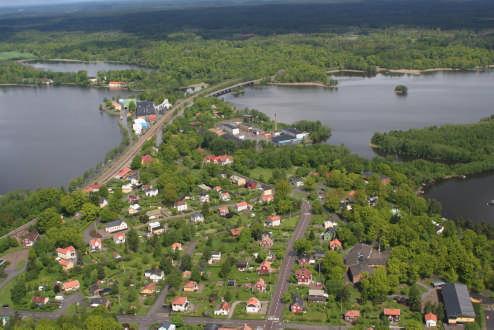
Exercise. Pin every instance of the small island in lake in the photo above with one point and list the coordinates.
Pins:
(401, 90)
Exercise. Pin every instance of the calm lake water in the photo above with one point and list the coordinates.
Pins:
(362, 106)
(51, 135)
(92, 68)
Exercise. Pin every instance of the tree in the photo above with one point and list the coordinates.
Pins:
(132, 240)
(414, 298)
(49, 218)
(302, 246)
(18, 292)
(89, 212)
(283, 189)
(101, 322)
(136, 163)
(375, 286)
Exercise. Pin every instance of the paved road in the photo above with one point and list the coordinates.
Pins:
(275, 310)
(69, 300)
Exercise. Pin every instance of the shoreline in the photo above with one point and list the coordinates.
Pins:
(414, 72)
(301, 84)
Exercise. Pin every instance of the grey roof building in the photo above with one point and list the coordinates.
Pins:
(145, 108)
(458, 304)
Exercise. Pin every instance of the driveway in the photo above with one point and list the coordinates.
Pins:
(17, 264)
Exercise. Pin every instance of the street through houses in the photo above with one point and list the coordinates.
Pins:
(275, 309)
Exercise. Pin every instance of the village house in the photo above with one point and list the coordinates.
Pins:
(223, 210)
(266, 241)
(117, 85)
(155, 228)
(225, 196)
(303, 276)
(197, 217)
(71, 286)
(243, 206)
(260, 285)
(190, 286)
(180, 304)
(166, 325)
(67, 257)
(145, 109)
(430, 320)
(238, 180)
(195, 88)
(392, 314)
(149, 289)
(317, 295)
(230, 128)
(251, 184)
(222, 160)
(176, 247)
(235, 232)
(147, 160)
(92, 188)
(95, 244)
(40, 301)
(119, 238)
(181, 206)
(223, 309)
(127, 188)
(114, 226)
(297, 305)
(154, 275)
(335, 244)
(134, 209)
(242, 265)
(95, 302)
(151, 192)
(363, 258)
(204, 198)
(297, 181)
(133, 199)
(265, 268)
(103, 202)
(267, 198)
(352, 316)
(28, 238)
(273, 221)
(215, 258)
(253, 305)
(457, 303)
(154, 214)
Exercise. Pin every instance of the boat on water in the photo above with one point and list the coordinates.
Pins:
(490, 203)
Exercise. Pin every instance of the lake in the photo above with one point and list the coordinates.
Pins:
(92, 68)
(362, 106)
(51, 135)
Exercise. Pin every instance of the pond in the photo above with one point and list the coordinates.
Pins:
(51, 135)
(92, 68)
(362, 106)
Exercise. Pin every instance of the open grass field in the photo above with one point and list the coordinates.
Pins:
(14, 55)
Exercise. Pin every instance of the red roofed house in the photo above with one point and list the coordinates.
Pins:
(181, 206)
(261, 285)
(40, 301)
(243, 206)
(93, 187)
(146, 160)
(180, 304)
(225, 196)
(265, 268)
(430, 320)
(219, 160)
(177, 246)
(30, 238)
(67, 257)
(253, 305)
(95, 244)
(149, 289)
(235, 232)
(335, 244)
(273, 221)
(303, 276)
(251, 184)
(352, 315)
(191, 286)
(267, 198)
(123, 173)
(119, 238)
(223, 210)
(393, 314)
(70, 286)
(266, 241)
(117, 85)
(223, 310)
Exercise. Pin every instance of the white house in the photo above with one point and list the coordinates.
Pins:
(119, 238)
(225, 196)
(117, 225)
(180, 304)
(253, 305)
(134, 209)
(197, 218)
(165, 105)
(223, 310)
(231, 128)
(167, 326)
(151, 192)
(215, 258)
(127, 188)
(430, 320)
(154, 275)
(181, 206)
(155, 228)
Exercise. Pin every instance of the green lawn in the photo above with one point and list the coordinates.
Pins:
(5, 294)
(13, 55)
